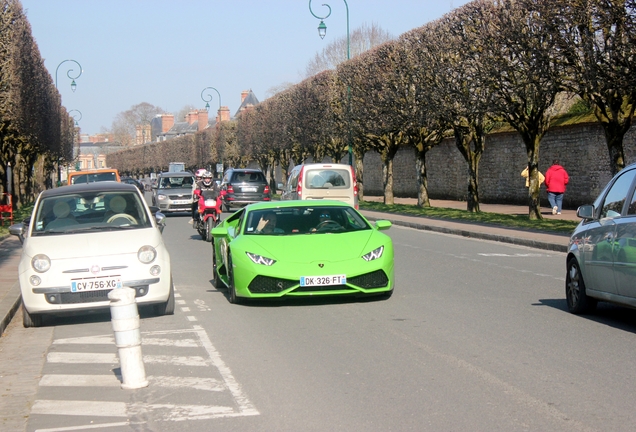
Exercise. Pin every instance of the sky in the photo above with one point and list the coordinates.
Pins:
(166, 52)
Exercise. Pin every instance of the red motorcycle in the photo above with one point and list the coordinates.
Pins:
(208, 214)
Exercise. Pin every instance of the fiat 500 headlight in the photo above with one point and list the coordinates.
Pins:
(259, 259)
(146, 254)
(374, 254)
(41, 263)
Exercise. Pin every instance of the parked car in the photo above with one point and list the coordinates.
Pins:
(241, 187)
(302, 249)
(134, 182)
(94, 175)
(173, 192)
(601, 260)
(322, 181)
(82, 241)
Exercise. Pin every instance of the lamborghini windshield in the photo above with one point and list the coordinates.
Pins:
(304, 220)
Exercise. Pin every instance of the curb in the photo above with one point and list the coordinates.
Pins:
(10, 303)
(483, 236)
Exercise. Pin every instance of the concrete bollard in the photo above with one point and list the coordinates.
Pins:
(125, 320)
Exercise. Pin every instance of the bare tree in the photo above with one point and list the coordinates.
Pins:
(361, 40)
(597, 42)
(525, 73)
(123, 128)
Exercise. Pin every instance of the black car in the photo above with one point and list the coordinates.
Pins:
(243, 186)
(134, 182)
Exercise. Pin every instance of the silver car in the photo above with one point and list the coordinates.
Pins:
(173, 192)
(601, 261)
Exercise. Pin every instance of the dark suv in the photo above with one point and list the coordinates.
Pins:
(242, 186)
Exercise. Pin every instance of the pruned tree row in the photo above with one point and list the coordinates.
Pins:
(487, 64)
(36, 132)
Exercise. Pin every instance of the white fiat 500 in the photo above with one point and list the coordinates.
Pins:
(82, 241)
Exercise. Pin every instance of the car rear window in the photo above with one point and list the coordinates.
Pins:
(91, 178)
(328, 179)
(248, 177)
(176, 182)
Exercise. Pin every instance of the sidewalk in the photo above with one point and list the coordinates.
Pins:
(10, 247)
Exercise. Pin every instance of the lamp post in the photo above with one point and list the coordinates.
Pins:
(73, 87)
(322, 32)
(68, 73)
(219, 166)
(207, 101)
(74, 116)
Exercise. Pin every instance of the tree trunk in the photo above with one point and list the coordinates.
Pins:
(359, 171)
(534, 204)
(614, 138)
(422, 179)
(387, 174)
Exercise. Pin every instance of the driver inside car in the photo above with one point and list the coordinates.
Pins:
(323, 219)
(267, 224)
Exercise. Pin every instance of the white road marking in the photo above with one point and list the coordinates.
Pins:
(80, 381)
(180, 302)
(201, 305)
(106, 358)
(518, 255)
(110, 340)
(177, 295)
(90, 426)
(185, 309)
(191, 318)
(243, 402)
(158, 412)
(80, 408)
(112, 380)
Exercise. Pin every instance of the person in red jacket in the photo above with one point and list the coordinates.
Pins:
(555, 180)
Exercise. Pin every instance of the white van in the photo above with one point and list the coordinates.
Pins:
(322, 181)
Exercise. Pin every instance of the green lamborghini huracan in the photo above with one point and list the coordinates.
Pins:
(302, 249)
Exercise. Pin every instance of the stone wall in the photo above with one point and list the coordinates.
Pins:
(581, 149)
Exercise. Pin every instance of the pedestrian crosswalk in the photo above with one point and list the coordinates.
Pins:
(188, 380)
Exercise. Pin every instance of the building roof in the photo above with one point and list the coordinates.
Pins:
(250, 100)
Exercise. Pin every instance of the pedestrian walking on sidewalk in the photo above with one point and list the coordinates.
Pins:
(525, 174)
(556, 178)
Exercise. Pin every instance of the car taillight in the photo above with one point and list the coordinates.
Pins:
(355, 182)
(299, 185)
(266, 190)
(230, 189)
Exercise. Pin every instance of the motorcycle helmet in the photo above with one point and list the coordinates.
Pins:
(207, 178)
(199, 173)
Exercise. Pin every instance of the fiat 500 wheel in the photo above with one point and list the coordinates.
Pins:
(30, 320)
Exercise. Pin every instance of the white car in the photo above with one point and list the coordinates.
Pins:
(82, 241)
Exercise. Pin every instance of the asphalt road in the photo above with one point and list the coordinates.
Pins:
(475, 337)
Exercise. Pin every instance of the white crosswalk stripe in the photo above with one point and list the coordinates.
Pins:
(207, 389)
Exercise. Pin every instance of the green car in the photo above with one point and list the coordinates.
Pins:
(302, 249)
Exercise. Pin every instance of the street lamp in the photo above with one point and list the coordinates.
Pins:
(73, 87)
(322, 32)
(207, 101)
(68, 73)
(74, 116)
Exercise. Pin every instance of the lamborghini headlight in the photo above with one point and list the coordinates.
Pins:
(374, 254)
(259, 259)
